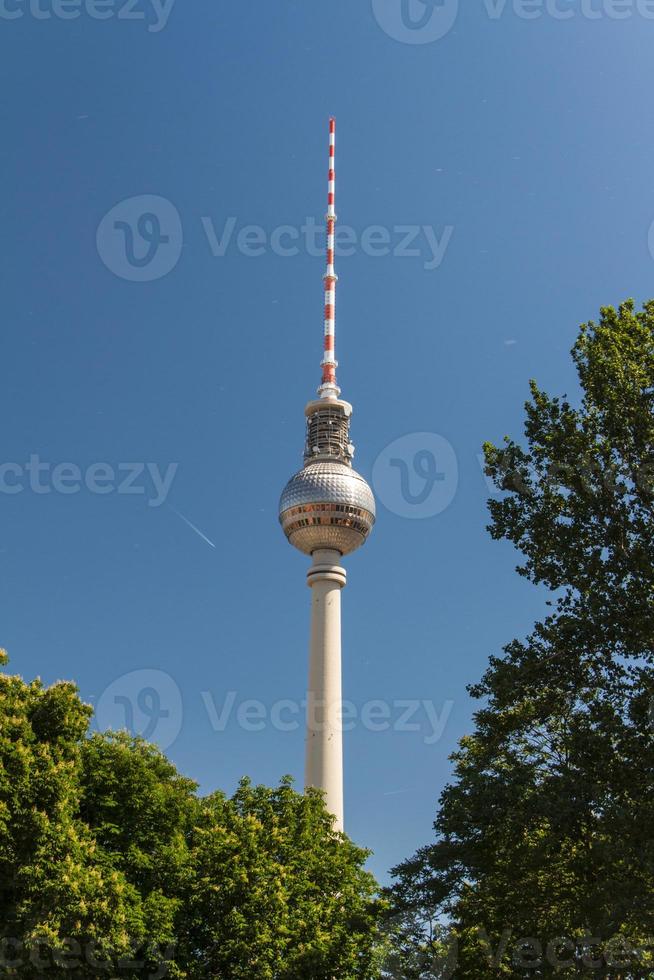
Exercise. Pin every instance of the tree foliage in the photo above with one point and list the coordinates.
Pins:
(543, 862)
(111, 865)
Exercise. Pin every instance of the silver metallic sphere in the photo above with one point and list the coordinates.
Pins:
(327, 505)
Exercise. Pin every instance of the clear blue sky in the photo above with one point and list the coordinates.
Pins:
(531, 138)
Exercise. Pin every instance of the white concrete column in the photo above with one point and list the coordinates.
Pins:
(324, 747)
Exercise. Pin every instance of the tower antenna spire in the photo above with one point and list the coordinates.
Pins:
(329, 388)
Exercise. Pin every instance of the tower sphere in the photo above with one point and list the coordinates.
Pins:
(327, 505)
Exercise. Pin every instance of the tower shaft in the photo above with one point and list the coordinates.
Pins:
(324, 745)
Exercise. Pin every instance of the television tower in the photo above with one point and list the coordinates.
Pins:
(326, 511)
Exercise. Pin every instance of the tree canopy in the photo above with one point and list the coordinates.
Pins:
(543, 862)
(112, 865)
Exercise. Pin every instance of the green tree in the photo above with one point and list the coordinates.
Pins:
(543, 862)
(111, 865)
(275, 893)
(418, 943)
(52, 888)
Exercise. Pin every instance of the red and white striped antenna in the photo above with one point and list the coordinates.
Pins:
(329, 388)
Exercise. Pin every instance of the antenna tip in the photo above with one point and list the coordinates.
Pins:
(332, 124)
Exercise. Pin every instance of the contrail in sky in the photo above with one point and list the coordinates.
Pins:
(192, 526)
